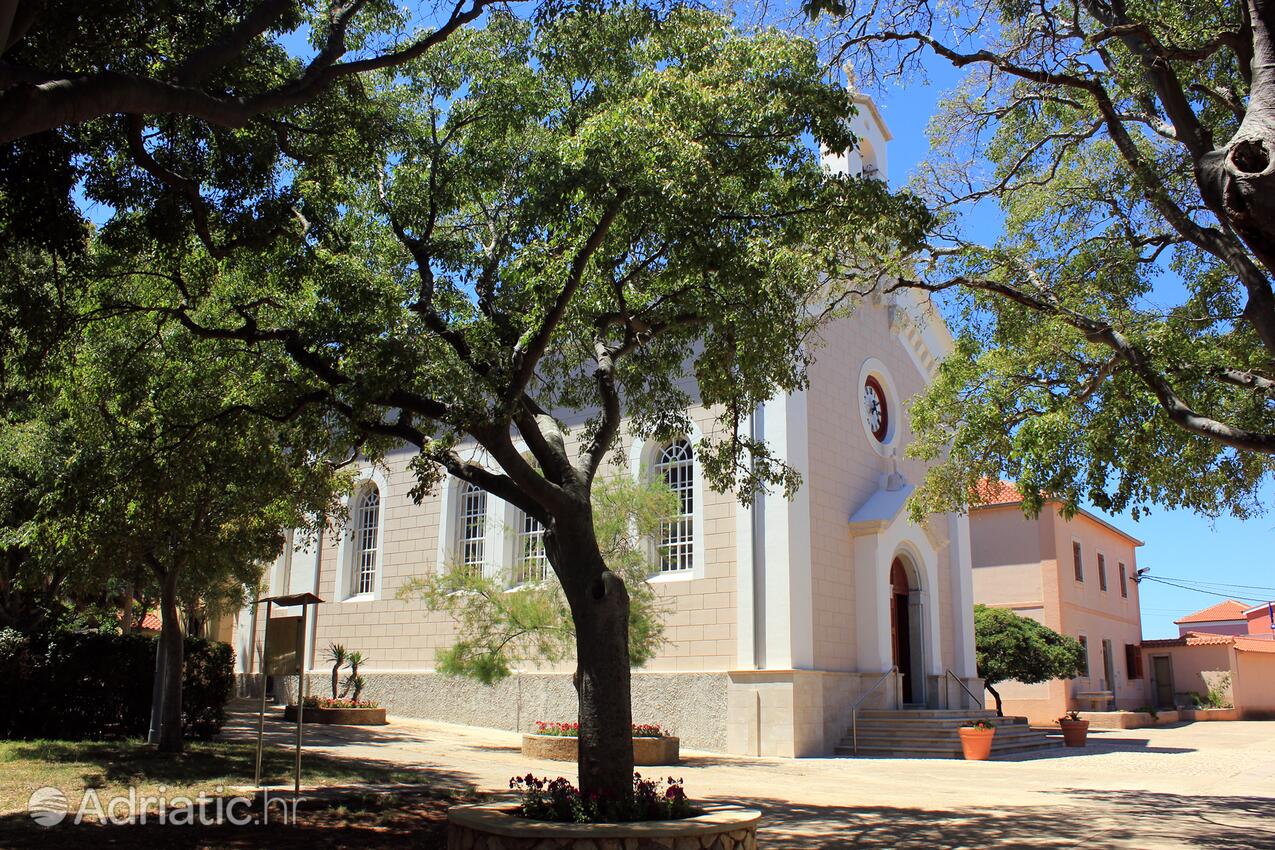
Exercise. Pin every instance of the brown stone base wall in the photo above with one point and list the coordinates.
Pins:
(461, 838)
(646, 751)
(495, 827)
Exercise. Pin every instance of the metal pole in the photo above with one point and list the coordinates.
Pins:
(296, 785)
(261, 719)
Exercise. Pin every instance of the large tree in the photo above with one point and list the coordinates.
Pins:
(1009, 647)
(1118, 334)
(176, 465)
(553, 231)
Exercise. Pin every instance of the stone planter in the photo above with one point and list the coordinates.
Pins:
(338, 716)
(976, 743)
(1074, 732)
(646, 751)
(493, 827)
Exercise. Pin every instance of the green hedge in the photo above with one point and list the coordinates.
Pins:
(89, 686)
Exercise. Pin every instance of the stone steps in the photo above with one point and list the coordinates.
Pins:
(932, 733)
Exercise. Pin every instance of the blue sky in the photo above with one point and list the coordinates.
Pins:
(1179, 544)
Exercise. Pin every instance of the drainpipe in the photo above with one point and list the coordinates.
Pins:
(757, 515)
(314, 620)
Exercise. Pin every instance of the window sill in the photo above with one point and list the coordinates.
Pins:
(671, 576)
(360, 597)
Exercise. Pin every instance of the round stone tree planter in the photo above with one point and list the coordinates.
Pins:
(646, 751)
(338, 716)
(494, 827)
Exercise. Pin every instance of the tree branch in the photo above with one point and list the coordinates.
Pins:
(61, 100)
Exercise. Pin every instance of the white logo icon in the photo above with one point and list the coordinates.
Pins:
(47, 806)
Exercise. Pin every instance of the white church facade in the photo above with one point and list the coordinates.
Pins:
(784, 615)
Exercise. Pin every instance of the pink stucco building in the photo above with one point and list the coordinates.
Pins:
(1077, 577)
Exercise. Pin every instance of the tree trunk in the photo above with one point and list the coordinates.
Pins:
(600, 610)
(1000, 711)
(1238, 179)
(171, 650)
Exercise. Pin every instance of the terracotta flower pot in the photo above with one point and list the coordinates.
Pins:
(1074, 732)
(976, 743)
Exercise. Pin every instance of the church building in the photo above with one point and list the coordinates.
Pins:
(786, 615)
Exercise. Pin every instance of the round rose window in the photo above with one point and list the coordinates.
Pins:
(875, 409)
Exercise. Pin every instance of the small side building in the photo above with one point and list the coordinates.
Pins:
(1075, 576)
(1240, 667)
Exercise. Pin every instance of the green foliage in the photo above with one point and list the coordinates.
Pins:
(88, 686)
(1010, 647)
(1110, 324)
(558, 800)
(440, 250)
(500, 627)
(138, 449)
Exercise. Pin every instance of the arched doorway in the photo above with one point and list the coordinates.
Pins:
(906, 634)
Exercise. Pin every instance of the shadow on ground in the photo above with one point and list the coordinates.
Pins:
(1136, 820)
(415, 819)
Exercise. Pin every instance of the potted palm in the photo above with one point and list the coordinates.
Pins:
(1074, 730)
(976, 740)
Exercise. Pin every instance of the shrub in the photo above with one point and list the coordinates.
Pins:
(91, 685)
(559, 800)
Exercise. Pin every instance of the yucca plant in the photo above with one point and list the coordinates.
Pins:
(354, 659)
(337, 657)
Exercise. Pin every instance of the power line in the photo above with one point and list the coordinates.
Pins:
(1202, 590)
(1218, 583)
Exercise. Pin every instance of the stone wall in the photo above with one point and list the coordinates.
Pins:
(691, 706)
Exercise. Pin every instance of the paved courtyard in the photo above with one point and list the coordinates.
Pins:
(1188, 786)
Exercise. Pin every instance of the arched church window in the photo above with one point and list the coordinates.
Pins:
(367, 538)
(676, 466)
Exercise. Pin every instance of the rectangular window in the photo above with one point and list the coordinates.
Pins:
(1133, 661)
(1079, 564)
(1124, 587)
(533, 564)
(1108, 666)
(1102, 572)
(1084, 644)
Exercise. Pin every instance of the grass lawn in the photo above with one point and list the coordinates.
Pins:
(415, 811)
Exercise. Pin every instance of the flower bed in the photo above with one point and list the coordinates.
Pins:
(552, 814)
(652, 745)
(495, 827)
(572, 730)
(338, 712)
(646, 751)
(339, 702)
(558, 800)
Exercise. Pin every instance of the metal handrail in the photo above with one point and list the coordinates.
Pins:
(854, 709)
(949, 674)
